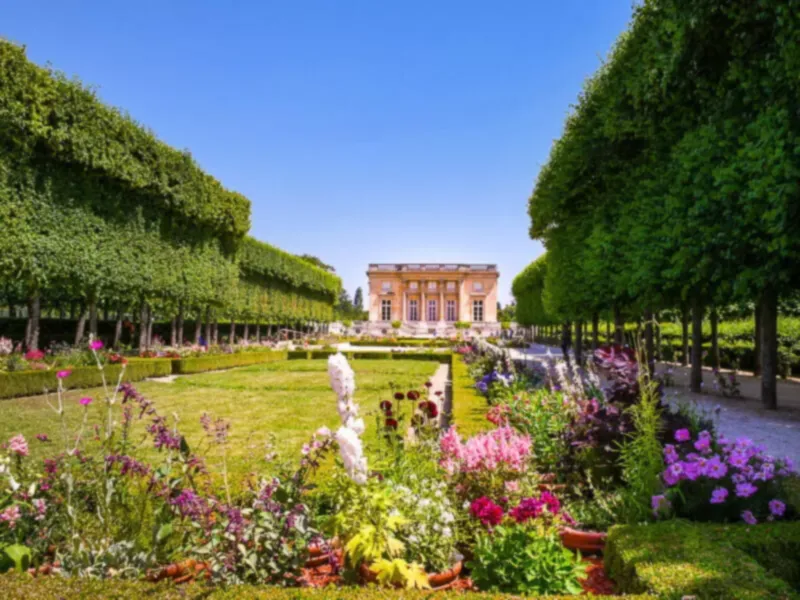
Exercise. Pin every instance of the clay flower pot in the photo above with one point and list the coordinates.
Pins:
(317, 556)
(437, 581)
(585, 541)
(181, 572)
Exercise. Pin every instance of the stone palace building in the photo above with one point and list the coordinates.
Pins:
(428, 299)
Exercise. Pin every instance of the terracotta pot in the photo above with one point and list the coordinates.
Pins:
(585, 541)
(181, 572)
(437, 581)
(317, 556)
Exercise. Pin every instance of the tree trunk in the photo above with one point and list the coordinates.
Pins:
(32, 327)
(180, 324)
(579, 343)
(769, 349)
(696, 377)
(93, 316)
(757, 348)
(258, 333)
(595, 331)
(198, 329)
(80, 328)
(619, 327)
(246, 333)
(232, 333)
(150, 319)
(649, 347)
(208, 326)
(566, 341)
(143, 326)
(173, 332)
(714, 318)
(215, 332)
(685, 335)
(117, 329)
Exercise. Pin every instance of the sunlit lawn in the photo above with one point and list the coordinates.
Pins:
(279, 404)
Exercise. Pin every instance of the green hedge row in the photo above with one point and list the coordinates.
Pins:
(441, 357)
(15, 587)
(217, 362)
(677, 559)
(469, 407)
(31, 383)
(391, 343)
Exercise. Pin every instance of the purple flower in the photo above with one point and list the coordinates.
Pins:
(749, 518)
(673, 473)
(42, 437)
(96, 344)
(737, 459)
(745, 490)
(682, 435)
(777, 508)
(691, 470)
(715, 468)
(85, 401)
(719, 495)
(703, 445)
(766, 472)
(660, 504)
(64, 374)
(670, 454)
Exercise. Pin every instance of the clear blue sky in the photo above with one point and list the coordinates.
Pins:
(361, 131)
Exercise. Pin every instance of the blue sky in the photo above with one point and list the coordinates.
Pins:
(361, 131)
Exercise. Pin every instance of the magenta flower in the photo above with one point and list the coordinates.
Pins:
(64, 374)
(18, 445)
(85, 401)
(96, 344)
(745, 490)
(486, 511)
(715, 468)
(737, 459)
(673, 473)
(719, 495)
(660, 505)
(703, 445)
(777, 508)
(670, 454)
(11, 515)
(682, 435)
(749, 518)
(42, 437)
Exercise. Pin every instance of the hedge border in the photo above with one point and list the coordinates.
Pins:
(676, 559)
(441, 357)
(216, 362)
(33, 383)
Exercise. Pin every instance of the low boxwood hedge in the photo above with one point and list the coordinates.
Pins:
(215, 362)
(16, 587)
(297, 354)
(676, 559)
(31, 383)
(412, 342)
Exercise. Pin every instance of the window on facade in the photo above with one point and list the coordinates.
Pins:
(413, 285)
(477, 286)
(386, 310)
(432, 313)
(477, 310)
(451, 286)
(413, 310)
(451, 310)
(386, 286)
(431, 286)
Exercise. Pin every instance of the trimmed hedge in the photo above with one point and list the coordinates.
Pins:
(297, 354)
(674, 559)
(17, 587)
(469, 407)
(217, 362)
(32, 383)
(413, 342)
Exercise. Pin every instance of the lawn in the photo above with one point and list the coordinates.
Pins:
(271, 407)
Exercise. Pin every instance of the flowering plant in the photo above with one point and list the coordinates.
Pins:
(722, 480)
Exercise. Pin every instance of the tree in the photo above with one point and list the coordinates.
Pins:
(317, 262)
(358, 300)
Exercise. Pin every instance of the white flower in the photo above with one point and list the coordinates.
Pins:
(448, 517)
(413, 539)
(447, 532)
(352, 453)
(341, 375)
(424, 503)
(323, 432)
(356, 425)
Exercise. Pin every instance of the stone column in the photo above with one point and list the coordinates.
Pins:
(424, 307)
(441, 301)
(404, 316)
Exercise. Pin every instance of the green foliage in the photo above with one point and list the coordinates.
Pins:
(523, 560)
(469, 407)
(542, 416)
(217, 362)
(527, 288)
(675, 559)
(31, 383)
(398, 572)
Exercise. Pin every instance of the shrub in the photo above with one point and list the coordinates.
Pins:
(297, 354)
(224, 361)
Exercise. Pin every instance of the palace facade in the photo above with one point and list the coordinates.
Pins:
(431, 298)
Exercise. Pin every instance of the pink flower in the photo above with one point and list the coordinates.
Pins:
(10, 515)
(486, 511)
(749, 518)
(682, 435)
(18, 445)
(41, 508)
(96, 344)
(34, 355)
(501, 448)
(64, 374)
(511, 486)
(85, 401)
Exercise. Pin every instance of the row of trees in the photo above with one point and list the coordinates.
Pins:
(676, 181)
(97, 210)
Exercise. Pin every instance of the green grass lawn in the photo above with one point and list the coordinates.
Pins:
(279, 403)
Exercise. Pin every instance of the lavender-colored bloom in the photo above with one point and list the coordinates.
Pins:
(737, 459)
(673, 473)
(719, 495)
(682, 435)
(745, 490)
(660, 504)
(749, 518)
(691, 470)
(777, 508)
(715, 468)
(703, 445)
(670, 454)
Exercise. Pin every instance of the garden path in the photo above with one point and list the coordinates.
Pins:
(778, 430)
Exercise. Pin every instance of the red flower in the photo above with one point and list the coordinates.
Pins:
(429, 408)
(386, 405)
(388, 413)
(438, 392)
(413, 395)
(428, 384)
(34, 355)
(391, 424)
(486, 511)
(399, 395)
